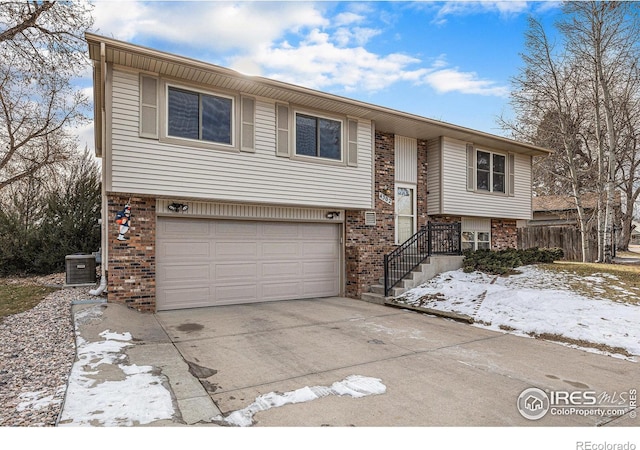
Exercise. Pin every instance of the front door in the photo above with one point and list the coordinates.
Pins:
(405, 212)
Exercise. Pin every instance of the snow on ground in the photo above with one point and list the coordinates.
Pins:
(354, 386)
(88, 403)
(536, 302)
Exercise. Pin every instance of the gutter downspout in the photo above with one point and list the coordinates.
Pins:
(103, 250)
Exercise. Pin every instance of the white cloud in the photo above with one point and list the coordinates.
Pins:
(445, 80)
(464, 7)
(320, 64)
(505, 8)
(347, 18)
(211, 26)
(357, 35)
(120, 19)
(85, 137)
(324, 51)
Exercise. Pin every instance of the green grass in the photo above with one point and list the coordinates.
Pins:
(624, 288)
(16, 298)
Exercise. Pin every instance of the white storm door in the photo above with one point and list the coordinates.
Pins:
(405, 212)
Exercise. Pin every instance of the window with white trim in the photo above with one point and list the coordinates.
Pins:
(491, 171)
(476, 240)
(319, 137)
(199, 116)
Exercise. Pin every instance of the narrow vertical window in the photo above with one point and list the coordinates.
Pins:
(491, 172)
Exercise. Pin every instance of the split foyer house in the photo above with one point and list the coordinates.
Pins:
(244, 189)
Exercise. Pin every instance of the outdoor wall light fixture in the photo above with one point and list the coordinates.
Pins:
(332, 214)
(178, 207)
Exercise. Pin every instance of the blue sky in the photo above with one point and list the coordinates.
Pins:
(450, 61)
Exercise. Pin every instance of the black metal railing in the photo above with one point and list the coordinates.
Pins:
(434, 239)
(445, 238)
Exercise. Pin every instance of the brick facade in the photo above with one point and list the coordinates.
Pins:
(132, 263)
(421, 188)
(365, 246)
(504, 234)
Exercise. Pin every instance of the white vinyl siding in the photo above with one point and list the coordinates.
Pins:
(142, 166)
(200, 209)
(457, 200)
(406, 159)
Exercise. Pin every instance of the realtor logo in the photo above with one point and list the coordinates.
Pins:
(533, 403)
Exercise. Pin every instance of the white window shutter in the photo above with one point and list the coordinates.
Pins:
(352, 143)
(282, 130)
(148, 107)
(511, 178)
(248, 112)
(471, 168)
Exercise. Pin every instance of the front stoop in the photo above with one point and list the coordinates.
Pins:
(431, 267)
(375, 294)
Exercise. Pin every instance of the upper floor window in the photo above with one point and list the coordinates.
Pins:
(318, 136)
(490, 171)
(195, 115)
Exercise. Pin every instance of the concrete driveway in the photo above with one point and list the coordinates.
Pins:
(437, 372)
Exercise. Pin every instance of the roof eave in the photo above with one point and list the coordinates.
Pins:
(386, 119)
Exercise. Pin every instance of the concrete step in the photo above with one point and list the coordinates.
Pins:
(373, 298)
(425, 271)
(377, 289)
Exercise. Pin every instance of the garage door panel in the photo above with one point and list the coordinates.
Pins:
(280, 249)
(281, 291)
(226, 228)
(179, 227)
(326, 233)
(244, 262)
(235, 251)
(241, 272)
(319, 288)
(185, 297)
(319, 269)
(320, 249)
(279, 230)
(183, 273)
(187, 249)
(279, 269)
(237, 293)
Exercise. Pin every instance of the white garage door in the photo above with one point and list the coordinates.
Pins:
(222, 262)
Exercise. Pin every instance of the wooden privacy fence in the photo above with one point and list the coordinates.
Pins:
(567, 238)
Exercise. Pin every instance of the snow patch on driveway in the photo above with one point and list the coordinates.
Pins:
(134, 396)
(354, 386)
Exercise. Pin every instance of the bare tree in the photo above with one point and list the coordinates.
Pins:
(582, 101)
(628, 167)
(41, 49)
(549, 105)
(604, 37)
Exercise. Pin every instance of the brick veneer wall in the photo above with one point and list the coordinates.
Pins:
(446, 219)
(504, 234)
(421, 188)
(132, 263)
(365, 246)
